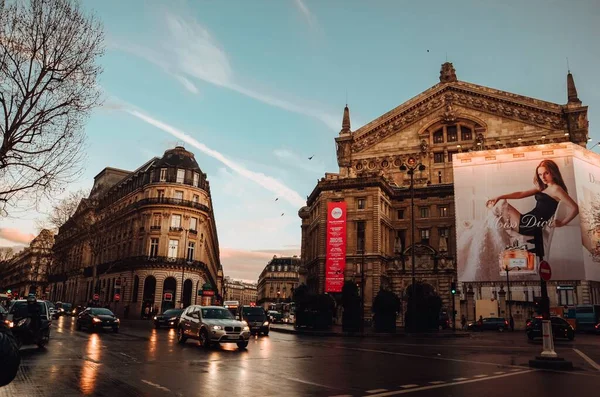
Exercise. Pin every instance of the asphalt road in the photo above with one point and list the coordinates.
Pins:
(141, 361)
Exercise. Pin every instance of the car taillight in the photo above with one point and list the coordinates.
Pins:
(505, 322)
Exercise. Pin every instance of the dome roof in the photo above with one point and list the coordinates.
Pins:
(179, 158)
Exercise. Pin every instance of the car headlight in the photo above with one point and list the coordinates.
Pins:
(96, 320)
(246, 328)
(265, 323)
(74, 311)
(173, 319)
(117, 320)
(155, 317)
(61, 310)
(9, 323)
(217, 327)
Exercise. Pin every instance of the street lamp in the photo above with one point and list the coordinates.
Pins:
(185, 259)
(409, 167)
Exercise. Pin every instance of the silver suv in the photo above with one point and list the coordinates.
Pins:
(212, 325)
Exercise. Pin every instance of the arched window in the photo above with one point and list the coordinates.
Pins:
(438, 136)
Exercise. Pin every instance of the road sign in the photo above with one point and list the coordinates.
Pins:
(168, 296)
(96, 297)
(117, 297)
(545, 271)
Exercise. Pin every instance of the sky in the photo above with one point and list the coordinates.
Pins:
(255, 88)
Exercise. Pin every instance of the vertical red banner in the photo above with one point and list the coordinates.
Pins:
(335, 262)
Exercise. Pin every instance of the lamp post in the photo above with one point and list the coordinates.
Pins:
(410, 167)
(185, 259)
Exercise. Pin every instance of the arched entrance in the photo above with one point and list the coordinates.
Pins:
(148, 295)
(187, 293)
(169, 287)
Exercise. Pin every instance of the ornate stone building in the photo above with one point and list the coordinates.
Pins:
(27, 272)
(241, 291)
(142, 238)
(278, 280)
(448, 118)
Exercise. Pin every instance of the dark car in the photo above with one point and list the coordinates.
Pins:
(77, 311)
(489, 324)
(96, 318)
(256, 318)
(560, 328)
(170, 318)
(275, 317)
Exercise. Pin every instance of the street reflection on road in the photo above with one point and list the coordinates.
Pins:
(89, 370)
(152, 344)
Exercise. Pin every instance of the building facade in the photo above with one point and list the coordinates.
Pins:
(451, 117)
(241, 291)
(278, 280)
(27, 271)
(141, 239)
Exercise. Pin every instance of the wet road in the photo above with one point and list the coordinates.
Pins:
(140, 361)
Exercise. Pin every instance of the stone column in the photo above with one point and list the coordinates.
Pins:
(502, 312)
(470, 304)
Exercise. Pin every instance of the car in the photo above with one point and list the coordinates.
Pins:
(275, 317)
(77, 310)
(18, 311)
(96, 318)
(489, 324)
(256, 318)
(560, 328)
(212, 325)
(170, 318)
(64, 309)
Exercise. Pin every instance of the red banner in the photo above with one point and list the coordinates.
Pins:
(335, 262)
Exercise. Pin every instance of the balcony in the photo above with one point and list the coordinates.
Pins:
(175, 229)
(193, 231)
(155, 227)
(171, 201)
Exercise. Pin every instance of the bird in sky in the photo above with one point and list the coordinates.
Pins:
(310, 158)
(276, 198)
(282, 213)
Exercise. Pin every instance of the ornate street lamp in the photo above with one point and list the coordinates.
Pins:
(410, 166)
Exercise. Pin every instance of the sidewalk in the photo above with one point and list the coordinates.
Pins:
(336, 330)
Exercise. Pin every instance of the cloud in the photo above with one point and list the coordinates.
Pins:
(306, 12)
(248, 264)
(188, 50)
(267, 182)
(16, 236)
(298, 161)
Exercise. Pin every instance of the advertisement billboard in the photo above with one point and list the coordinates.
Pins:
(335, 262)
(515, 206)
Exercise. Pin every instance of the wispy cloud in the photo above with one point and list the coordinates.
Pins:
(188, 51)
(16, 236)
(306, 12)
(267, 182)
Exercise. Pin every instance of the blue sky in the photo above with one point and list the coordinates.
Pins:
(259, 86)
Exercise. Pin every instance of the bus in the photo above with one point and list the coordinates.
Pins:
(232, 306)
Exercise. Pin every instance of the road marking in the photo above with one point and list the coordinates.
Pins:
(342, 395)
(499, 373)
(396, 392)
(376, 390)
(409, 386)
(514, 370)
(480, 376)
(460, 379)
(437, 382)
(155, 385)
(589, 360)
(308, 382)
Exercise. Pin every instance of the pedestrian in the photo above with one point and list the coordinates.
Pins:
(147, 311)
(463, 321)
(480, 321)
(512, 323)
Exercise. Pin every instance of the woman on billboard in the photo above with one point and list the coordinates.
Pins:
(549, 191)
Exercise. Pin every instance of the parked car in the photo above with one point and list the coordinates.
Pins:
(212, 325)
(96, 318)
(560, 328)
(489, 324)
(256, 318)
(170, 318)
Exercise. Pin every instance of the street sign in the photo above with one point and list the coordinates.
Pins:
(96, 297)
(545, 271)
(168, 296)
(208, 293)
(117, 297)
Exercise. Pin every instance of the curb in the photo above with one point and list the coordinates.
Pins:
(368, 335)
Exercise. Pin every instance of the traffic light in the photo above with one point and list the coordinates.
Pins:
(453, 288)
(8, 292)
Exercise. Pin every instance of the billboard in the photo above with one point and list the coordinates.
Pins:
(335, 262)
(517, 205)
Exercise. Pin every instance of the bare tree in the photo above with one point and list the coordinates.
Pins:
(63, 210)
(48, 87)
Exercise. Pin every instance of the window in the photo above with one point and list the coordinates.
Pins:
(161, 193)
(180, 176)
(163, 174)
(444, 232)
(361, 203)
(439, 176)
(565, 297)
(193, 223)
(424, 236)
(360, 236)
(190, 251)
(175, 221)
(196, 179)
(195, 198)
(443, 211)
(156, 221)
(452, 133)
(153, 247)
(179, 195)
(438, 157)
(424, 212)
(401, 214)
(400, 240)
(466, 134)
(173, 246)
(438, 136)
